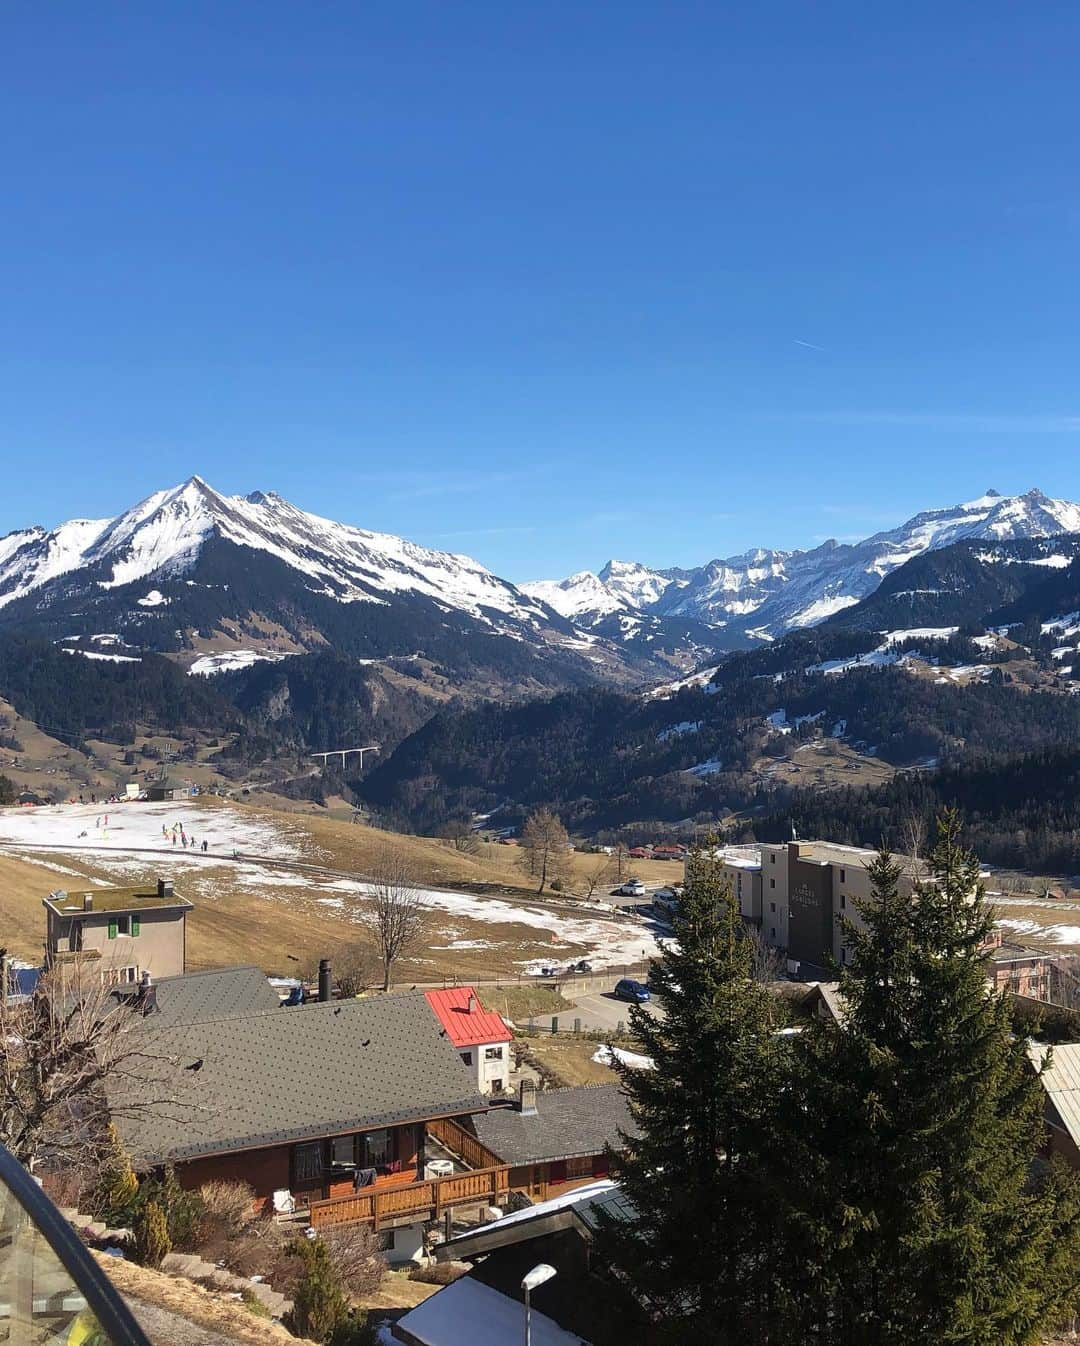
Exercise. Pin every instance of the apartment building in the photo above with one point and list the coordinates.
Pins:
(123, 932)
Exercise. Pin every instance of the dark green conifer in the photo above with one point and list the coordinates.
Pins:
(697, 1255)
(916, 1209)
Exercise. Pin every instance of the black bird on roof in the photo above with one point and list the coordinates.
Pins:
(338, 1010)
(195, 1065)
(366, 1042)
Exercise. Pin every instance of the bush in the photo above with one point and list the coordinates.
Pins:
(228, 1205)
(152, 1242)
(442, 1273)
(354, 1255)
(354, 1330)
(117, 1190)
(318, 1301)
(183, 1209)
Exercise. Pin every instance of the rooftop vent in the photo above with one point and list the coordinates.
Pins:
(527, 1098)
(324, 980)
(473, 1004)
(88, 902)
(164, 888)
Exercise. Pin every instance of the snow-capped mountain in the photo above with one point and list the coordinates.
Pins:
(188, 567)
(762, 593)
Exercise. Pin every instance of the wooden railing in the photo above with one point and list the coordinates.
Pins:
(462, 1143)
(419, 1200)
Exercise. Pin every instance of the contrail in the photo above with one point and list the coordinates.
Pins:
(808, 344)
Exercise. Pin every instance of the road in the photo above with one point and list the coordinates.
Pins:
(601, 1012)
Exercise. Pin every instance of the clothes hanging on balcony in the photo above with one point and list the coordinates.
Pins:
(363, 1177)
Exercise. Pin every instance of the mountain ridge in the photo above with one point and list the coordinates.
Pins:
(760, 593)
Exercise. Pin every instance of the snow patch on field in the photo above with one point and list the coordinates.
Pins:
(230, 660)
(107, 658)
(677, 730)
(607, 1056)
(1057, 934)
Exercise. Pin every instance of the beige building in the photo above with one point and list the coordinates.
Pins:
(126, 932)
(798, 893)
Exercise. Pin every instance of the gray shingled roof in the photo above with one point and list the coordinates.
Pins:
(289, 1075)
(568, 1123)
(218, 993)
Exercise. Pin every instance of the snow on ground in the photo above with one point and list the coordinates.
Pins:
(709, 768)
(1067, 625)
(779, 721)
(668, 689)
(109, 658)
(113, 847)
(229, 660)
(154, 599)
(606, 1056)
(1058, 934)
(820, 609)
(133, 826)
(920, 633)
(677, 730)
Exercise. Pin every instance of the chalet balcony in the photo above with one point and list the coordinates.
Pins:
(478, 1177)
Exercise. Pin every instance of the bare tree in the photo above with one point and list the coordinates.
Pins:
(545, 853)
(354, 968)
(395, 914)
(73, 1056)
(914, 841)
(768, 964)
(599, 874)
(461, 836)
(620, 858)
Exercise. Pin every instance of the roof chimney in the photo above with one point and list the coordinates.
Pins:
(527, 1098)
(147, 994)
(88, 902)
(324, 980)
(473, 1004)
(164, 888)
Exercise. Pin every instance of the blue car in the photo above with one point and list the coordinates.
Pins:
(627, 989)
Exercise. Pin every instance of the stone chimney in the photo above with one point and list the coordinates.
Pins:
(88, 902)
(527, 1098)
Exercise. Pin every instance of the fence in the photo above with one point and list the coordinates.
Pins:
(462, 1143)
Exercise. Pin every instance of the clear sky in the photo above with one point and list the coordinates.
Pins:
(542, 282)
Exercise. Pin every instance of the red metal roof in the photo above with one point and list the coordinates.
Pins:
(451, 1008)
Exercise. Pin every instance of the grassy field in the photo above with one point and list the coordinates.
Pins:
(283, 920)
(570, 1060)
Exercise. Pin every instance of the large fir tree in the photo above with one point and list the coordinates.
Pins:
(915, 1212)
(698, 1253)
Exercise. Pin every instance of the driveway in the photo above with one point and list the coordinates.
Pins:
(601, 1012)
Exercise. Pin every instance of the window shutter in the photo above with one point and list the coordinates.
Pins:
(135, 925)
(112, 929)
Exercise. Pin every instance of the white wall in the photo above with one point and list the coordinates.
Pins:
(486, 1072)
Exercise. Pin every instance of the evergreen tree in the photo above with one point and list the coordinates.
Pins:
(319, 1304)
(117, 1188)
(916, 1213)
(697, 1254)
(152, 1242)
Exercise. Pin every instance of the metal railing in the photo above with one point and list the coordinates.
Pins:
(47, 1277)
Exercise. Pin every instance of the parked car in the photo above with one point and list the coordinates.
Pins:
(628, 989)
(632, 888)
(549, 971)
(582, 965)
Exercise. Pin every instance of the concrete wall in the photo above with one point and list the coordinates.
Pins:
(158, 948)
(487, 1073)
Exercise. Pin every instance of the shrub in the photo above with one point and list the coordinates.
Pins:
(441, 1273)
(117, 1189)
(228, 1205)
(318, 1301)
(354, 1254)
(254, 1304)
(183, 1209)
(354, 1330)
(152, 1242)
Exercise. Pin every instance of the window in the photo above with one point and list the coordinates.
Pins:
(493, 1053)
(386, 1240)
(123, 925)
(772, 906)
(843, 876)
(843, 954)
(467, 1058)
(308, 1161)
(579, 1168)
(843, 900)
(772, 859)
(343, 1152)
(120, 976)
(376, 1148)
(772, 883)
(496, 1086)
(772, 932)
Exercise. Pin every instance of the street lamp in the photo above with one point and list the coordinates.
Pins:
(539, 1274)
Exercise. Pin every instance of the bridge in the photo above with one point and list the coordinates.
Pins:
(345, 752)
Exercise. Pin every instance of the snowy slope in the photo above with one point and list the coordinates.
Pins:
(762, 593)
(163, 535)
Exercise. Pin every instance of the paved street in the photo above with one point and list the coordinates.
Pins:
(599, 1011)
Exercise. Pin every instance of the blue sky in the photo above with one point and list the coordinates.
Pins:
(543, 283)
